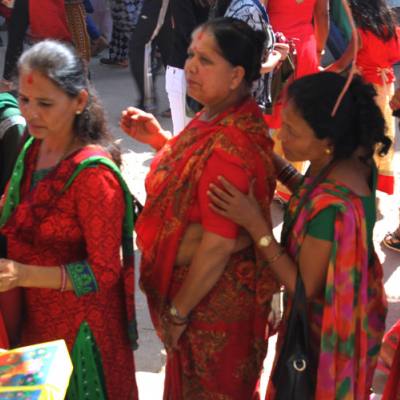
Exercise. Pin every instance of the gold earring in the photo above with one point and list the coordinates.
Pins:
(79, 112)
(328, 151)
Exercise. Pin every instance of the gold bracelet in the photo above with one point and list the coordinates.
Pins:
(276, 257)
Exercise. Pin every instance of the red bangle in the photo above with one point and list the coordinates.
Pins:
(63, 278)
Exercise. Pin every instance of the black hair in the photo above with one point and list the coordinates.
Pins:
(240, 45)
(374, 16)
(61, 64)
(358, 121)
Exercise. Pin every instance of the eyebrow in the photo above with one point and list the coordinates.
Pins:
(37, 98)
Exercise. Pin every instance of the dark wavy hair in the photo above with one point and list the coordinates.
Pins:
(240, 45)
(374, 16)
(358, 121)
(61, 64)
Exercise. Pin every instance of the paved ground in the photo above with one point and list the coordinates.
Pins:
(116, 89)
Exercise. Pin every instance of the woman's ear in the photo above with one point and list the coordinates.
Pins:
(238, 74)
(82, 99)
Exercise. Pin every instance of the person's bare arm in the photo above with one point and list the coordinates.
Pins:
(143, 127)
(208, 264)
(192, 239)
(14, 274)
(313, 260)
(345, 59)
(321, 24)
(205, 270)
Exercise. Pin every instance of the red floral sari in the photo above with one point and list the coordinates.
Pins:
(222, 350)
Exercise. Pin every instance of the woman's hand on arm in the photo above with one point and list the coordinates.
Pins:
(205, 270)
(314, 253)
(143, 127)
(231, 203)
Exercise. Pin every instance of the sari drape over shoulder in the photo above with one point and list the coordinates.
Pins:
(222, 350)
(348, 321)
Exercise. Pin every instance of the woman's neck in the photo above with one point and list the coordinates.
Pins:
(316, 166)
(212, 110)
(52, 151)
(58, 145)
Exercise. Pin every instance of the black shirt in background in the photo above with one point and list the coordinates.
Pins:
(186, 16)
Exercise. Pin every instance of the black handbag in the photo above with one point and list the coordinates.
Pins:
(294, 375)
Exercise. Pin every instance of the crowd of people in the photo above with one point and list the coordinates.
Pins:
(251, 107)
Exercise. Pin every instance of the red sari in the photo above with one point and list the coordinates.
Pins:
(79, 227)
(223, 348)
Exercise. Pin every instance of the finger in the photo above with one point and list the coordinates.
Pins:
(217, 199)
(140, 118)
(221, 193)
(134, 110)
(229, 187)
(218, 210)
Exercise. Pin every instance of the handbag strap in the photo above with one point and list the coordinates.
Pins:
(299, 308)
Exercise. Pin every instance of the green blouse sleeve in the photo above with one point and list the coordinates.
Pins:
(322, 226)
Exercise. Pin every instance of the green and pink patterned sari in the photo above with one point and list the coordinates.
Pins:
(347, 322)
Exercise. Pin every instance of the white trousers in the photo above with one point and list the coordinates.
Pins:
(102, 17)
(175, 85)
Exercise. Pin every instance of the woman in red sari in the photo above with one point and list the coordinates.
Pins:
(210, 310)
(65, 216)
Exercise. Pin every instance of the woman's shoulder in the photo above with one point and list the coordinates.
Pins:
(92, 164)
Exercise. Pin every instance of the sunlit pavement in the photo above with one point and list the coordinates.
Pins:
(117, 91)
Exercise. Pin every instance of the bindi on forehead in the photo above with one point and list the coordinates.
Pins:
(200, 35)
(29, 78)
(198, 38)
